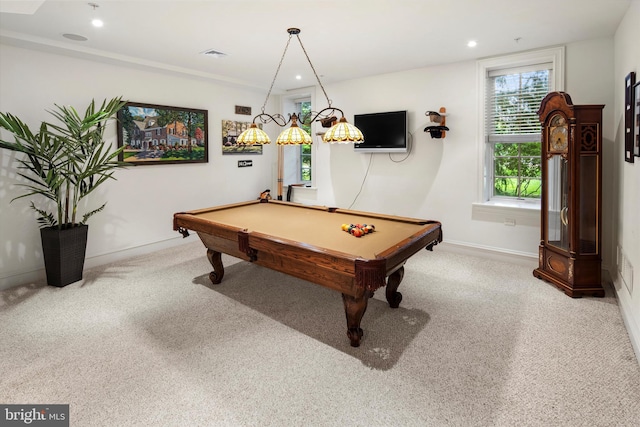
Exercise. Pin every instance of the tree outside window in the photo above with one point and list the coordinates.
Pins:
(514, 131)
(305, 149)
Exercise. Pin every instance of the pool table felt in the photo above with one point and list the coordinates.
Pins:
(315, 227)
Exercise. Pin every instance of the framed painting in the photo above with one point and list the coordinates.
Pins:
(629, 111)
(230, 131)
(158, 134)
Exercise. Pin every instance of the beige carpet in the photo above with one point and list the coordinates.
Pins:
(474, 343)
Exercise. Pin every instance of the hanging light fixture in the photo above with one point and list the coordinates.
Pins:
(340, 130)
(294, 135)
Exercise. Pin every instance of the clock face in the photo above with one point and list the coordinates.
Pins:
(558, 134)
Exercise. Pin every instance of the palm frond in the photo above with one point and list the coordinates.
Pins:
(46, 219)
(86, 216)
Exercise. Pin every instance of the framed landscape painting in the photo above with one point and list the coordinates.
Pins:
(157, 134)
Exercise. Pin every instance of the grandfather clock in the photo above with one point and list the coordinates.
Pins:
(571, 205)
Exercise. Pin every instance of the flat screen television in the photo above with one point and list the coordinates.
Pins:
(383, 132)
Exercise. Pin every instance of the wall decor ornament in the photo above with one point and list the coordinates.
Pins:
(153, 134)
(437, 121)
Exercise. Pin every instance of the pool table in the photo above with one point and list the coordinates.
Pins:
(308, 242)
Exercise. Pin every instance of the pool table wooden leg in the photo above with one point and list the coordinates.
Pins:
(393, 296)
(215, 258)
(354, 308)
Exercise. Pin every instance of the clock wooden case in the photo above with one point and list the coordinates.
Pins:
(571, 205)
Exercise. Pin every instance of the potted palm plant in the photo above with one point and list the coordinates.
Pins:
(63, 163)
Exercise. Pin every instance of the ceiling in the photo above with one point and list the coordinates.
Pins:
(345, 39)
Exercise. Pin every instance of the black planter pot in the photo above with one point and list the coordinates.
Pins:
(64, 252)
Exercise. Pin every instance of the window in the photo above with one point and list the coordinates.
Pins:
(304, 107)
(514, 96)
(512, 88)
(298, 159)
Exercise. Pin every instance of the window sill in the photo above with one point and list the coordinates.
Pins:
(305, 195)
(508, 212)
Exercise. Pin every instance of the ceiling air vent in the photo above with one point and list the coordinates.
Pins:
(213, 53)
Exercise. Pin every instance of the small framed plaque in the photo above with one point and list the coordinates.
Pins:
(243, 110)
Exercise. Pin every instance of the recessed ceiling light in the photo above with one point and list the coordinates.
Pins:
(96, 22)
(298, 77)
(472, 43)
(75, 37)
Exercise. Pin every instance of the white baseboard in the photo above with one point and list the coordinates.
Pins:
(110, 257)
(624, 302)
(107, 258)
(22, 278)
(489, 252)
(39, 275)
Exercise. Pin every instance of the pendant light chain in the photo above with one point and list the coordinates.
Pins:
(313, 68)
(340, 131)
(277, 71)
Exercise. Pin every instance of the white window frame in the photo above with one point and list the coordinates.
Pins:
(299, 147)
(288, 106)
(487, 207)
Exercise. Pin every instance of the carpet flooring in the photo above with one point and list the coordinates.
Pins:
(475, 342)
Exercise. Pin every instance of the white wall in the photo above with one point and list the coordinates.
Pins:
(590, 80)
(626, 190)
(141, 203)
